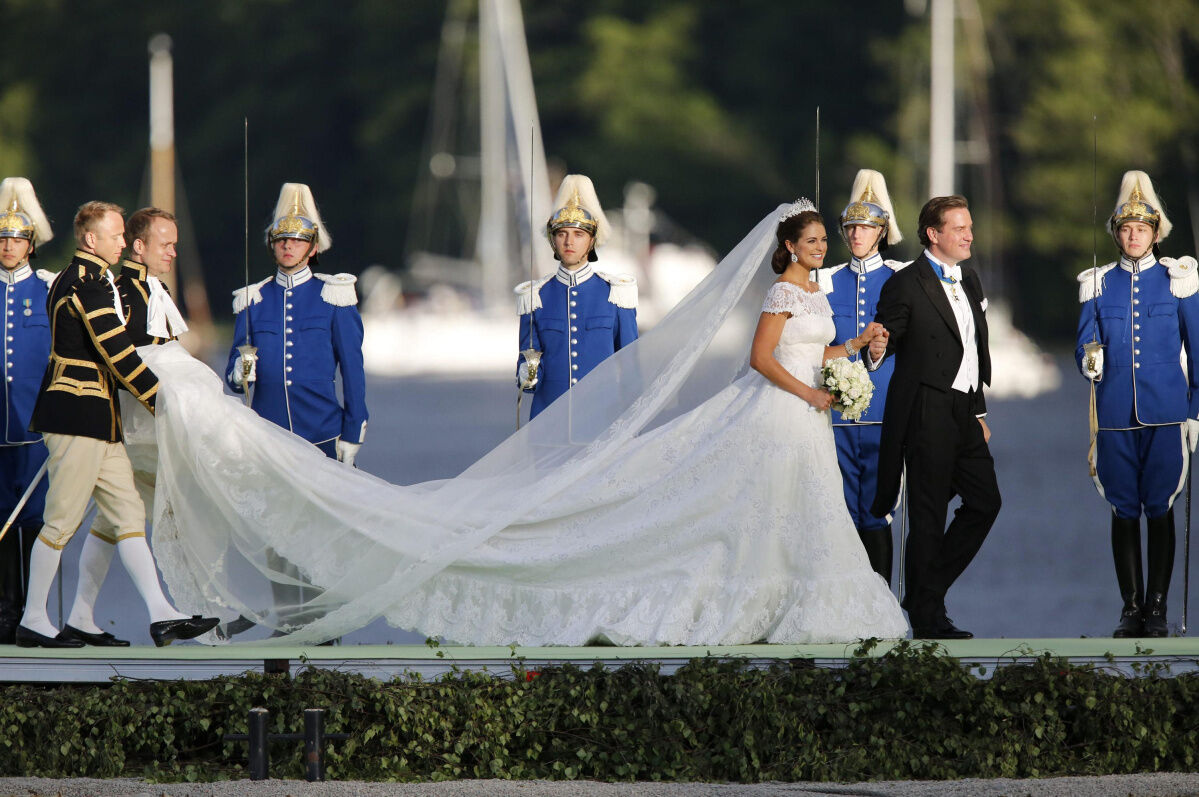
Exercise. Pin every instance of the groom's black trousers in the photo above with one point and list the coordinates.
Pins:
(945, 455)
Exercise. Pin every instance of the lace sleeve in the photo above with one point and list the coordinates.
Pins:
(781, 298)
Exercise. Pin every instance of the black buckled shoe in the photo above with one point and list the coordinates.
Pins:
(164, 632)
(100, 640)
(28, 638)
(1132, 623)
(1155, 616)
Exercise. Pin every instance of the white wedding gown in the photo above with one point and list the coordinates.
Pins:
(725, 525)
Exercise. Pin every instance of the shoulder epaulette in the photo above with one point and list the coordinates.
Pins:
(824, 277)
(526, 290)
(46, 276)
(1090, 282)
(255, 295)
(338, 289)
(897, 265)
(1184, 275)
(623, 289)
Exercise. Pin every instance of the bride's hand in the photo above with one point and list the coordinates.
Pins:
(820, 399)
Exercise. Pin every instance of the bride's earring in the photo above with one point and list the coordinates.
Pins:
(794, 258)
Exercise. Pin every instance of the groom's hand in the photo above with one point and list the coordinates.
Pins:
(986, 430)
(878, 344)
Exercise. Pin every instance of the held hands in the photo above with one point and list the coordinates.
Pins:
(878, 343)
(245, 369)
(346, 451)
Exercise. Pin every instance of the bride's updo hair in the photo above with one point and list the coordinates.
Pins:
(789, 231)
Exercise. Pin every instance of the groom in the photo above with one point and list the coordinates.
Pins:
(933, 422)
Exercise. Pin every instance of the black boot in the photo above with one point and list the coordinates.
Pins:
(879, 548)
(1161, 566)
(12, 587)
(1126, 551)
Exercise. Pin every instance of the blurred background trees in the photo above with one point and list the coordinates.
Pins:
(713, 104)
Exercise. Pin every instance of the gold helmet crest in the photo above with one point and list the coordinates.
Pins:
(21, 215)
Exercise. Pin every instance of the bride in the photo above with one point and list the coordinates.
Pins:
(640, 508)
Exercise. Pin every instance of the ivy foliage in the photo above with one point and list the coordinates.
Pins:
(910, 714)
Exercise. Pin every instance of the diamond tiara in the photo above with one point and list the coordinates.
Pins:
(797, 207)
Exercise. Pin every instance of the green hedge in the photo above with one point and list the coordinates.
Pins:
(911, 714)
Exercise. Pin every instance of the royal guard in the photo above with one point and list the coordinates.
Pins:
(1138, 316)
(869, 229)
(23, 226)
(572, 320)
(306, 329)
(295, 332)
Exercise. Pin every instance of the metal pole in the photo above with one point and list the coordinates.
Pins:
(1186, 550)
(259, 758)
(314, 735)
(941, 100)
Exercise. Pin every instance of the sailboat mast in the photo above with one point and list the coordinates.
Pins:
(162, 131)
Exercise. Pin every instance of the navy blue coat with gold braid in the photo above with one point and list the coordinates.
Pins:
(135, 297)
(91, 356)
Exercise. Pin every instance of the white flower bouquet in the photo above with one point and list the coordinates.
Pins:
(850, 385)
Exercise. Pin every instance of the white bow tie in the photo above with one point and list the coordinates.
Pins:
(163, 319)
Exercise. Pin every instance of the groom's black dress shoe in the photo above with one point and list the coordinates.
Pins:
(28, 638)
(100, 640)
(939, 628)
(164, 632)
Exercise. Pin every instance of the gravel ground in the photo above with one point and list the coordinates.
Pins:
(1168, 784)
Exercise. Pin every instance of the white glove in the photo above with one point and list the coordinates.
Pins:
(527, 375)
(1092, 363)
(242, 377)
(1192, 433)
(346, 451)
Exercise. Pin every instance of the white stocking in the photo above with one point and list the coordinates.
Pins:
(43, 566)
(139, 563)
(93, 567)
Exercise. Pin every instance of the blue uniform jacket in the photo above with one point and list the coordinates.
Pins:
(27, 349)
(576, 320)
(1144, 315)
(852, 289)
(306, 327)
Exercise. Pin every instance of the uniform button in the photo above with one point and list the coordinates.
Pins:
(1135, 339)
(574, 293)
(861, 301)
(288, 330)
(574, 381)
(10, 325)
(574, 354)
(574, 367)
(10, 312)
(288, 355)
(288, 369)
(10, 338)
(1136, 290)
(288, 383)
(1136, 351)
(9, 351)
(288, 318)
(573, 316)
(11, 300)
(1134, 365)
(1134, 326)
(573, 303)
(572, 329)
(291, 343)
(1136, 301)
(861, 290)
(287, 293)
(573, 342)
(289, 305)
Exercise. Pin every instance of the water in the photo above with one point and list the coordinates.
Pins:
(1044, 571)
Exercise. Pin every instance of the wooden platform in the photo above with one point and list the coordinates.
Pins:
(199, 662)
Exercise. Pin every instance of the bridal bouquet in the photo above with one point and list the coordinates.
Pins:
(850, 385)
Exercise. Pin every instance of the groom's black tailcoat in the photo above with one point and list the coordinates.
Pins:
(933, 429)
